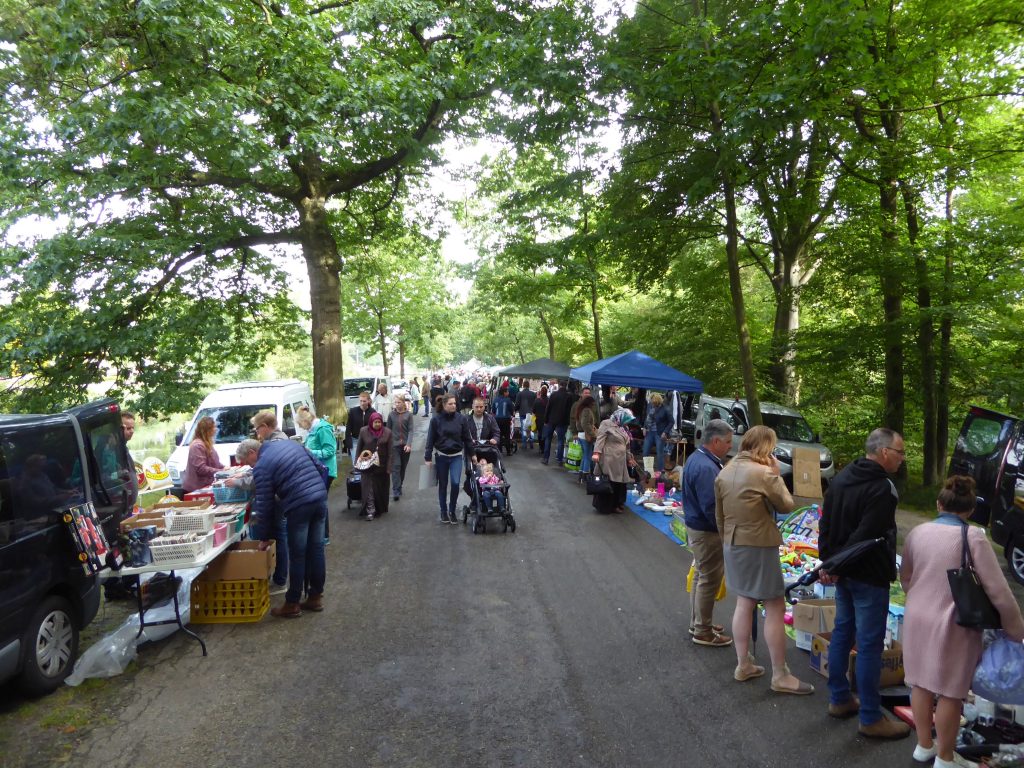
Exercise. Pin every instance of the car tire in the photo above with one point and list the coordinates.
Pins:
(50, 647)
(1015, 558)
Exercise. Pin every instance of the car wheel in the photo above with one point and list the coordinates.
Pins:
(50, 647)
(1015, 559)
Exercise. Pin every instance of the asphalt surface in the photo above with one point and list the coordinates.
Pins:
(563, 644)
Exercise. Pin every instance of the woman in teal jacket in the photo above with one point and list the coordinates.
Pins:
(322, 443)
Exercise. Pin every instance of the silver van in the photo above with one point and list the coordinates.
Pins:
(789, 424)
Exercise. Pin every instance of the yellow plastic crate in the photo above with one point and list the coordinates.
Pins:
(229, 602)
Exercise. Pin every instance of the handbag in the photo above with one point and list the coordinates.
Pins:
(373, 460)
(973, 607)
(1000, 674)
(598, 484)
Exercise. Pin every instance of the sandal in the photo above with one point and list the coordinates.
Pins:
(747, 671)
(802, 688)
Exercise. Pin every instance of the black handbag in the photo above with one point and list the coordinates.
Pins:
(973, 607)
(598, 484)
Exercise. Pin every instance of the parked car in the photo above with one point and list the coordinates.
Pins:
(990, 448)
(47, 465)
(359, 384)
(231, 407)
(790, 426)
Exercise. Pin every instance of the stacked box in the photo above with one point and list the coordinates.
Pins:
(228, 602)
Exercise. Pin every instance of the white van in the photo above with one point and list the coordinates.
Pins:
(232, 406)
(789, 424)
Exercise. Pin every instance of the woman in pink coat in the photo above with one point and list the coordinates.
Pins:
(939, 656)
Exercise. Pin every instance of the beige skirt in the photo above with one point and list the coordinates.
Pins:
(753, 572)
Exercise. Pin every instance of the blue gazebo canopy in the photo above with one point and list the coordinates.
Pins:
(635, 369)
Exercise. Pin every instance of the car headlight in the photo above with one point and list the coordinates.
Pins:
(783, 454)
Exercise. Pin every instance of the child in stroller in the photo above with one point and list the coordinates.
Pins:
(486, 485)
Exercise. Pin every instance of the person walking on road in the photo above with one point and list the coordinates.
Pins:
(289, 487)
(540, 413)
(415, 394)
(524, 406)
(401, 426)
(375, 438)
(612, 457)
(587, 423)
(358, 418)
(702, 530)
(504, 409)
(939, 656)
(322, 443)
(747, 493)
(436, 390)
(382, 401)
(860, 505)
(449, 444)
(556, 422)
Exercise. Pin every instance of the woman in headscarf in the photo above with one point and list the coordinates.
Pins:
(613, 459)
(203, 461)
(375, 437)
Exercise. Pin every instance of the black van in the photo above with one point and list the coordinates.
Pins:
(990, 448)
(47, 464)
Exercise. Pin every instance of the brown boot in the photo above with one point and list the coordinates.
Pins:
(287, 611)
(842, 711)
(885, 729)
(313, 603)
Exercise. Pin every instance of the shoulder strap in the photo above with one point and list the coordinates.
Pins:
(966, 561)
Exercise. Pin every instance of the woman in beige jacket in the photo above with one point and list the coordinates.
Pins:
(612, 458)
(747, 494)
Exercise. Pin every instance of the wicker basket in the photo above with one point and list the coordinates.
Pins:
(191, 522)
(172, 551)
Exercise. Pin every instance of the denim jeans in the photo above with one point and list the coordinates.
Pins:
(861, 613)
(306, 550)
(490, 496)
(552, 431)
(415, 407)
(653, 440)
(588, 449)
(426, 406)
(449, 471)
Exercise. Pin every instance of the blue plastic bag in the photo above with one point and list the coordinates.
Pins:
(1000, 674)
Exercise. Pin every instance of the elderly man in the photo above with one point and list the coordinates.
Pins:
(699, 476)
(860, 505)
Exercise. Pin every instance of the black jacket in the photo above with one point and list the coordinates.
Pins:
(490, 429)
(860, 504)
(559, 405)
(448, 433)
(357, 419)
(525, 400)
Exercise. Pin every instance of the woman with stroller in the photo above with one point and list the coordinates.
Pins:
(449, 443)
(613, 459)
(747, 491)
(939, 655)
(375, 438)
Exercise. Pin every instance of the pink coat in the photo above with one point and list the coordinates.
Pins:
(938, 654)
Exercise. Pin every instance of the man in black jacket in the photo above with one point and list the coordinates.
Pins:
(860, 505)
(556, 422)
(524, 405)
(358, 418)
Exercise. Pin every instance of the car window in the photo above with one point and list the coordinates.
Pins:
(981, 437)
(792, 428)
(714, 412)
(354, 386)
(45, 474)
(233, 421)
(288, 420)
(6, 507)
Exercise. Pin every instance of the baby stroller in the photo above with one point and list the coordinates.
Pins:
(478, 511)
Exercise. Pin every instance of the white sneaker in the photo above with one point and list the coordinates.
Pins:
(956, 762)
(924, 755)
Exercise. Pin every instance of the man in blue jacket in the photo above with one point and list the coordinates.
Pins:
(702, 531)
(288, 484)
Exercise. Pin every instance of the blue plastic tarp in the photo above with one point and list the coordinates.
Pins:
(635, 369)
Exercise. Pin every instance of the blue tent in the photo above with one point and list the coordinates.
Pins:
(635, 369)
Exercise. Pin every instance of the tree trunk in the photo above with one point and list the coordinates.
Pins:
(323, 266)
(597, 319)
(893, 414)
(401, 355)
(945, 340)
(925, 336)
(547, 332)
(782, 368)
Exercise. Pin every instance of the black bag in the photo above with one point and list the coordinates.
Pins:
(973, 607)
(598, 484)
(354, 487)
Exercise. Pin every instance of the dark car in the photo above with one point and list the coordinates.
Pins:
(990, 448)
(47, 465)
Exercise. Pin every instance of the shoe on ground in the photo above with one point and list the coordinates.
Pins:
(287, 611)
(958, 761)
(313, 603)
(887, 729)
(924, 754)
(848, 708)
(443, 518)
(369, 515)
(747, 671)
(395, 498)
(802, 688)
(714, 628)
(712, 639)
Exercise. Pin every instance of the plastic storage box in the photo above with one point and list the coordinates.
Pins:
(229, 602)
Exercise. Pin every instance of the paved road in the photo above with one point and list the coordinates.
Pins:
(563, 644)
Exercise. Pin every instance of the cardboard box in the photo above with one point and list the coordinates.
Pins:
(172, 503)
(807, 473)
(812, 617)
(892, 662)
(143, 519)
(242, 561)
(824, 592)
